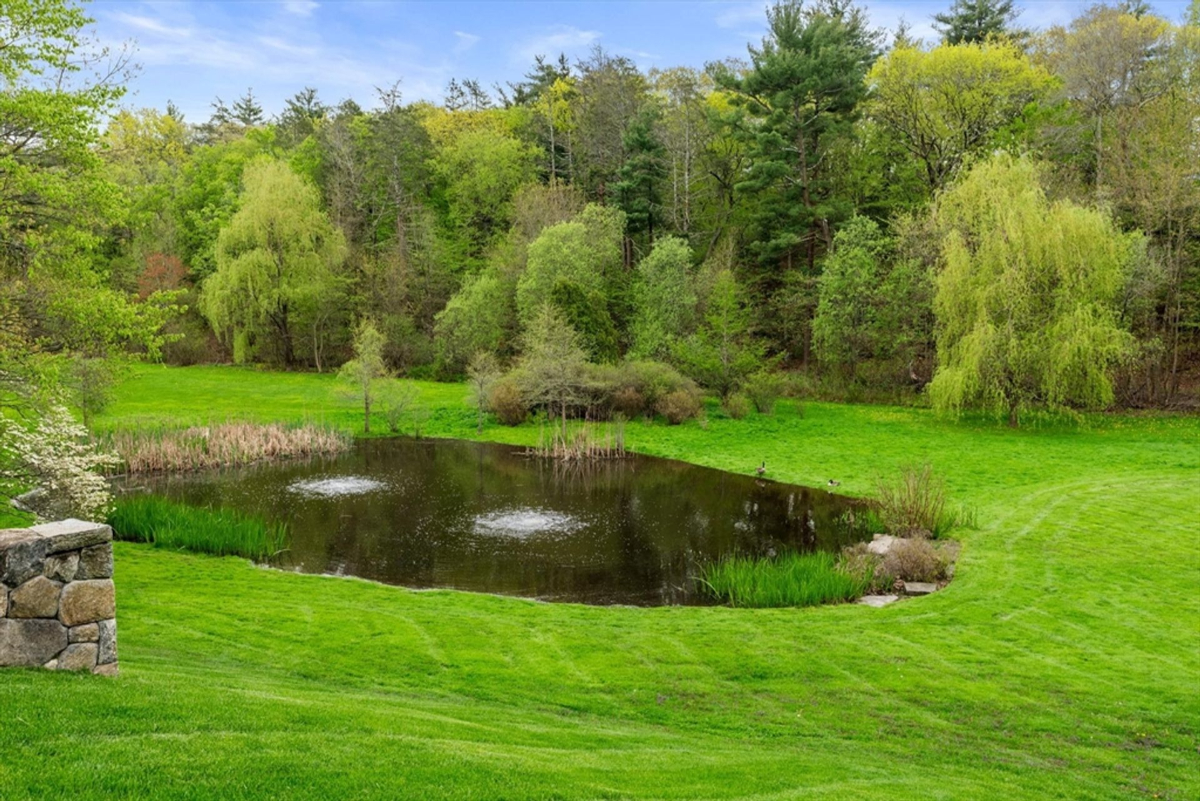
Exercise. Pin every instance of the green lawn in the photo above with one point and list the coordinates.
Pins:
(1063, 661)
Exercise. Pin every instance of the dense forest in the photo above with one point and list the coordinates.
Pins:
(1006, 219)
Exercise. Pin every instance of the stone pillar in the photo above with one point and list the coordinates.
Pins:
(57, 600)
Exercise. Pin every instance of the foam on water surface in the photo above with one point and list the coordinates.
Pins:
(336, 486)
(524, 522)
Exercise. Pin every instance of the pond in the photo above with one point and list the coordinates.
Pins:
(487, 518)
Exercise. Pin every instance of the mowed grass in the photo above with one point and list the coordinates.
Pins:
(1062, 662)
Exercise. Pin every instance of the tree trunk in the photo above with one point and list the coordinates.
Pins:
(366, 411)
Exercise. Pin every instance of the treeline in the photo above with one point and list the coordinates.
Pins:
(1006, 219)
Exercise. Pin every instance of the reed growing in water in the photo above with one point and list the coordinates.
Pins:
(222, 445)
(792, 579)
(583, 442)
(213, 530)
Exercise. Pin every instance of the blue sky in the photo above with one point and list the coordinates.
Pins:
(192, 51)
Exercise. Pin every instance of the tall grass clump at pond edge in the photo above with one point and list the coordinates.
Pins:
(217, 531)
(793, 579)
(222, 445)
(581, 442)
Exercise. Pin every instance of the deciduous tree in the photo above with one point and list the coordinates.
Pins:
(1026, 296)
(277, 253)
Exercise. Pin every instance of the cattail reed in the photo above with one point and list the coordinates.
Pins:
(222, 445)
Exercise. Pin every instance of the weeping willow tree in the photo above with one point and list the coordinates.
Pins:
(277, 264)
(1026, 296)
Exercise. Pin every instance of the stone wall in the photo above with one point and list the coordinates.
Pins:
(57, 600)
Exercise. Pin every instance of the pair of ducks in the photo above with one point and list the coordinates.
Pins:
(762, 470)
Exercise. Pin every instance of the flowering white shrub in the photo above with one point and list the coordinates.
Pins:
(57, 456)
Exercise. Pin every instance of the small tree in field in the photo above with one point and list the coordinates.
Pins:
(482, 373)
(553, 371)
(1025, 299)
(722, 353)
(366, 366)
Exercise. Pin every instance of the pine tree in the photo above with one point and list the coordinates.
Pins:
(972, 21)
(798, 100)
(644, 168)
(247, 110)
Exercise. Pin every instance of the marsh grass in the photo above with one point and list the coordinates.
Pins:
(212, 530)
(793, 579)
(150, 450)
(581, 442)
(913, 504)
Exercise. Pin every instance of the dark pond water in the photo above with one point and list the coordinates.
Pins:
(471, 516)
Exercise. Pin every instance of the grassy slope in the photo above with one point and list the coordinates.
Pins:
(1063, 661)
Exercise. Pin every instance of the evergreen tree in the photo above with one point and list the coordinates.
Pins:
(301, 114)
(973, 21)
(644, 168)
(800, 97)
(247, 111)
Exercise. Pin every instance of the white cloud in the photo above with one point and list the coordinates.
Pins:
(301, 8)
(557, 39)
(465, 41)
(287, 47)
(742, 14)
(151, 25)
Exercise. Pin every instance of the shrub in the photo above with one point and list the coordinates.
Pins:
(763, 389)
(506, 402)
(57, 457)
(914, 560)
(628, 401)
(736, 405)
(482, 372)
(914, 504)
(680, 405)
(793, 579)
(856, 560)
(635, 388)
(398, 399)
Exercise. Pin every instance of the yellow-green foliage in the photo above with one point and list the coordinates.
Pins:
(275, 260)
(1025, 297)
(947, 102)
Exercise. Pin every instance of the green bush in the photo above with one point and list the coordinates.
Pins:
(680, 405)
(764, 388)
(640, 387)
(736, 405)
(793, 579)
(215, 530)
(506, 402)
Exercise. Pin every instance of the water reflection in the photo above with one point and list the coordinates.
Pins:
(484, 517)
